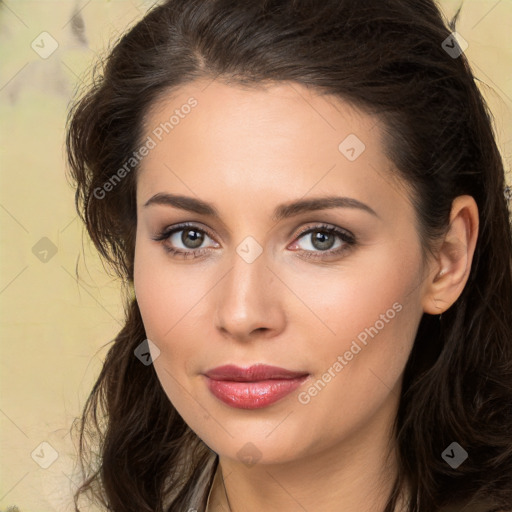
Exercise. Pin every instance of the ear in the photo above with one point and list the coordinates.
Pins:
(450, 271)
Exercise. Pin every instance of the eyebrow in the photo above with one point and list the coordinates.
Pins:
(282, 211)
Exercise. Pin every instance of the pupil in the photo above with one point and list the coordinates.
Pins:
(320, 238)
(197, 238)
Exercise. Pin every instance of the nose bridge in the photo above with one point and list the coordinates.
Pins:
(244, 303)
(245, 282)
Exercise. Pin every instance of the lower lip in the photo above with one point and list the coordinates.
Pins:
(253, 395)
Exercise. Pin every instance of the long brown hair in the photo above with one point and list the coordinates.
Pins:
(390, 58)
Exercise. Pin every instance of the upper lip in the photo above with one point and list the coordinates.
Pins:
(253, 373)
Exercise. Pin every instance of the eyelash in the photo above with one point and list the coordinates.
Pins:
(348, 239)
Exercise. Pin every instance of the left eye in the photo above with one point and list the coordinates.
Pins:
(321, 240)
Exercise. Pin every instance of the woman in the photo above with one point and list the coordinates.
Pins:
(308, 201)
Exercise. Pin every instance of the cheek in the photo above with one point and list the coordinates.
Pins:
(167, 297)
(374, 319)
(166, 292)
(375, 294)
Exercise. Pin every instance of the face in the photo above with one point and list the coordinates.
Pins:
(331, 293)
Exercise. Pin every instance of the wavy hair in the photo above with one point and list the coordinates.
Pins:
(388, 58)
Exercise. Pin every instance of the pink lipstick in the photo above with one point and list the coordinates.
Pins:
(254, 387)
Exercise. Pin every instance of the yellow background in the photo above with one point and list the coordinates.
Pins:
(53, 327)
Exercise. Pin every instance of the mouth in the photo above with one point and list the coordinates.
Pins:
(254, 387)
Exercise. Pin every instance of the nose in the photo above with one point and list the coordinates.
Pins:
(249, 301)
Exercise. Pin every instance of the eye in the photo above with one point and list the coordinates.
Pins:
(321, 241)
(189, 236)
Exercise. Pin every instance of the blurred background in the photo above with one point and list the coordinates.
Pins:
(55, 328)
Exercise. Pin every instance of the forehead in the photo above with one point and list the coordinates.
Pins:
(282, 140)
(255, 114)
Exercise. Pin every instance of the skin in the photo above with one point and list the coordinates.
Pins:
(247, 150)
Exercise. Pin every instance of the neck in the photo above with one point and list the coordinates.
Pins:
(357, 475)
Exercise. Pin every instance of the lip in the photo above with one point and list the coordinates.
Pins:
(254, 387)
